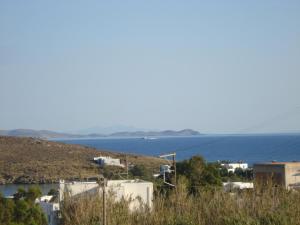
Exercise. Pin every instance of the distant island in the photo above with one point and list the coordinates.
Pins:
(46, 134)
(185, 132)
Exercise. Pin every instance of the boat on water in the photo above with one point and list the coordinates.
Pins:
(149, 138)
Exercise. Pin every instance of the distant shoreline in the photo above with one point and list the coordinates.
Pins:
(46, 134)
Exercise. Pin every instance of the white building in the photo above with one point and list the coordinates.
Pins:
(49, 208)
(106, 160)
(164, 169)
(44, 198)
(138, 192)
(230, 186)
(231, 167)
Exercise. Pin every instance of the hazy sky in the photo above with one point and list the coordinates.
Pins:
(214, 66)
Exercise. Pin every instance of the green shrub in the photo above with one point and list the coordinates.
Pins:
(22, 210)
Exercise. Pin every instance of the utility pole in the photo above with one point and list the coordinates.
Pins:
(174, 166)
(104, 203)
(102, 184)
(126, 167)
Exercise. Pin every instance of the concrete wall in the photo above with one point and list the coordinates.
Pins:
(75, 188)
(286, 173)
(292, 175)
(269, 172)
(139, 192)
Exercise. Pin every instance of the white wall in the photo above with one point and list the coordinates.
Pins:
(134, 191)
(233, 166)
(103, 160)
(128, 189)
(75, 188)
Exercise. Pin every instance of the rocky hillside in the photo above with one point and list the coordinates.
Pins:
(29, 160)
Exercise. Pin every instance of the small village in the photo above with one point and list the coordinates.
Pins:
(140, 193)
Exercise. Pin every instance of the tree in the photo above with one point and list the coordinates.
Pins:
(33, 193)
(211, 176)
(20, 212)
(22, 209)
(9, 206)
(52, 191)
(199, 173)
(20, 194)
(140, 171)
(223, 172)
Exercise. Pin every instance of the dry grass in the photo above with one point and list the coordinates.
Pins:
(28, 160)
(263, 206)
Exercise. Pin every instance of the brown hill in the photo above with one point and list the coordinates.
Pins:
(29, 160)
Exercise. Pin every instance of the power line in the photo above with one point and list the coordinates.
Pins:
(277, 117)
(259, 125)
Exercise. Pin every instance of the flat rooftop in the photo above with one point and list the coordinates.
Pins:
(110, 181)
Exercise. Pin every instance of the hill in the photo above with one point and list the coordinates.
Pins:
(46, 134)
(30, 160)
(171, 133)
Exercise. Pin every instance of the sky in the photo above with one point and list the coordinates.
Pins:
(212, 66)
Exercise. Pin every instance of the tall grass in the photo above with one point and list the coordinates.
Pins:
(265, 205)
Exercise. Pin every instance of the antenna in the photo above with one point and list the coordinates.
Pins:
(166, 157)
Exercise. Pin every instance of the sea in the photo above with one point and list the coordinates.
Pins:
(10, 189)
(247, 148)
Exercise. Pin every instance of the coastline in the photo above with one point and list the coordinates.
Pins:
(36, 161)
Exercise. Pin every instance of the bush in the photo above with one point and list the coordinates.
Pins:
(22, 210)
(199, 173)
(263, 206)
(53, 192)
(140, 171)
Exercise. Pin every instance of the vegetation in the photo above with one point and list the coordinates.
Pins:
(209, 206)
(197, 200)
(199, 173)
(238, 175)
(22, 209)
(140, 171)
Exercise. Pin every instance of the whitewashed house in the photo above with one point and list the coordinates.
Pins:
(138, 192)
(231, 167)
(106, 160)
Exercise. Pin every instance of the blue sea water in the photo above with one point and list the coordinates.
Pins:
(10, 189)
(248, 148)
